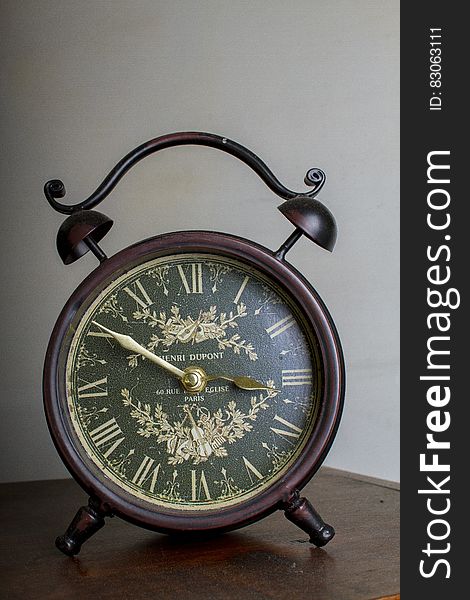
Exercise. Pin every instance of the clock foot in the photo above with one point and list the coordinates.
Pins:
(88, 520)
(301, 513)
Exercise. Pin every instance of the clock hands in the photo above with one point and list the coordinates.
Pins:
(194, 379)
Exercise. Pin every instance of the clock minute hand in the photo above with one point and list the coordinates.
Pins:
(130, 344)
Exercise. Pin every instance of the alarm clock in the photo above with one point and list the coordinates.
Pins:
(194, 381)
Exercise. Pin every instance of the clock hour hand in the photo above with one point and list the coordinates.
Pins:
(130, 344)
(195, 379)
(244, 383)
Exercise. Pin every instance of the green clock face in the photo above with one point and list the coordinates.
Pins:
(145, 429)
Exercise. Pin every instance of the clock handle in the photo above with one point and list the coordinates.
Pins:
(301, 513)
(88, 520)
(53, 189)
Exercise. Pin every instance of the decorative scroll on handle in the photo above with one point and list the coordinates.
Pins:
(53, 189)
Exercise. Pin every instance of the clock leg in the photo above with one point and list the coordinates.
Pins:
(88, 520)
(301, 513)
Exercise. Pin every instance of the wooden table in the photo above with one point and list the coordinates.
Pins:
(270, 559)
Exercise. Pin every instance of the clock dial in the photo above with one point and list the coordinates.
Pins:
(139, 423)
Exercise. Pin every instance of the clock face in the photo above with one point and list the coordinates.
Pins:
(142, 428)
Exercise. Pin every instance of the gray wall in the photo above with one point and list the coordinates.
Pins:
(306, 83)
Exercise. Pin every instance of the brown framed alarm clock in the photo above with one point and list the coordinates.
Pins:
(194, 381)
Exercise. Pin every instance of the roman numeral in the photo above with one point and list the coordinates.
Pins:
(145, 472)
(140, 295)
(280, 326)
(198, 487)
(194, 285)
(94, 389)
(240, 290)
(296, 377)
(103, 435)
(292, 432)
(250, 469)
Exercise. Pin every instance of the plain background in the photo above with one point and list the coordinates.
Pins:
(302, 84)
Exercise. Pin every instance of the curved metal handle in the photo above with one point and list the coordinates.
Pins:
(55, 188)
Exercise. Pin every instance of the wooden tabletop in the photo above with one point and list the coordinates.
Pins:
(270, 559)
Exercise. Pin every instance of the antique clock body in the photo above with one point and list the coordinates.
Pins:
(194, 381)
